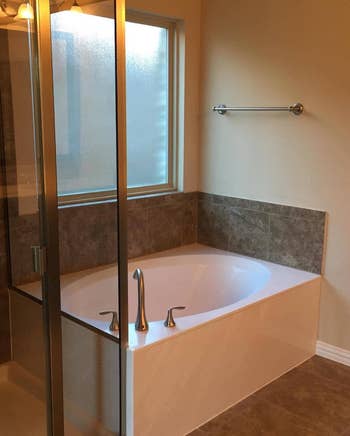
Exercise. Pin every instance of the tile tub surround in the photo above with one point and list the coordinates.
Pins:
(88, 232)
(281, 234)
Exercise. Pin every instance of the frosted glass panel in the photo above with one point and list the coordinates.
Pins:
(84, 91)
(147, 104)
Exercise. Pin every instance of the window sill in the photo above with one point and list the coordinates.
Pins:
(66, 205)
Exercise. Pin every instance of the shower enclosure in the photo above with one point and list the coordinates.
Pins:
(52, 110)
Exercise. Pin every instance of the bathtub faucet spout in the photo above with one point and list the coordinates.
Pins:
(141, 324)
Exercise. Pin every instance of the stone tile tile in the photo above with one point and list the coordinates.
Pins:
(282, 234)
(213, 225)
(296, 242)
(165, 227)
(87, 236)
(313, 399)
(139, 242)
(166, 199)
(249, 232)
(190, 220)
(261, 206)
(333, 371)
(21, 413)
(254, 417)
(308, 401)
(88, 233)
(24, 233)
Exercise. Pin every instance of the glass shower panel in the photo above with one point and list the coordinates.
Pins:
(83, 57)
(21, 144)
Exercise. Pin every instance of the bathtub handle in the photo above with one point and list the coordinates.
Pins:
(114, 325)
(169, 322)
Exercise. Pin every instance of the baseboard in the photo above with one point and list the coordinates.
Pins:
(332, 352)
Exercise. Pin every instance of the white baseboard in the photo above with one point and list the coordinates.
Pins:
(332, 352)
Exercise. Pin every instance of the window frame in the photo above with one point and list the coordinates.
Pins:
(172, 183)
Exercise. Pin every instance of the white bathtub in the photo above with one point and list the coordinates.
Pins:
(247, 322)
(209, 282)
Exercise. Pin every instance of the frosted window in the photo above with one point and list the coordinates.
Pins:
(84, 92)
(147, 104)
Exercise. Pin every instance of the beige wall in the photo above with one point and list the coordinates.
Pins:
(276, 53)
(188, 12)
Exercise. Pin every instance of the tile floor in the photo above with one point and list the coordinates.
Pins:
(22, 414)
(311, 400)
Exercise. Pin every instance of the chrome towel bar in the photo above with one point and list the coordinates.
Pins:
(296, 109)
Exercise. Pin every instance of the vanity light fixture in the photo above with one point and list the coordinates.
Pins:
(76, 8)
(25, 12)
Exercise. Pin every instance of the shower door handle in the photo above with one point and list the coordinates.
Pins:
(39, 259)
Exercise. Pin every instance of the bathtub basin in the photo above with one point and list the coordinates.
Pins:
(203, 280)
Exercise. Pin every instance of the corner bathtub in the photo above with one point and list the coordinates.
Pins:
(209, 282)
(246, 323)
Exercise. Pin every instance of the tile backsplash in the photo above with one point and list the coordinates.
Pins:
(286, 235)
(88, 233)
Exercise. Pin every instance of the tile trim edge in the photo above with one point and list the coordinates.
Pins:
(337, 354)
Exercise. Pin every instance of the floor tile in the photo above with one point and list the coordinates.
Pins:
(259, 417)
(22, 414)
(336, 372)
(311, 400)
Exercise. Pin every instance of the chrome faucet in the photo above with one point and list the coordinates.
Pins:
(114, 325)
(141, 324)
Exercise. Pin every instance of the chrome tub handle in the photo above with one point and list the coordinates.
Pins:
(114, 325)
(170, 322)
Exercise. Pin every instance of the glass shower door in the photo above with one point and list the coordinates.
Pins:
(68, 137)
(35, 372)
(91, 197)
